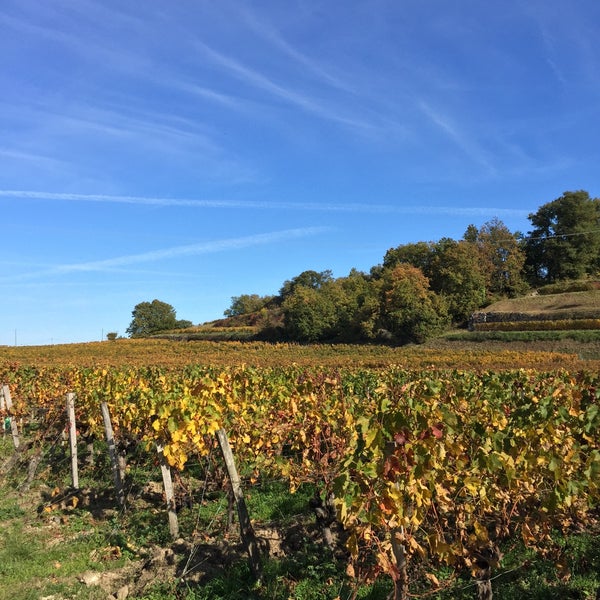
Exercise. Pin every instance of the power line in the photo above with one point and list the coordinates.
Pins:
(562, 235)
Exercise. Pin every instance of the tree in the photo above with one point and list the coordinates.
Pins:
(310, 315)
(502, 258)
(357, 306)
(308, 279)
(565, 240)
(322, 308)
(152, 317)
(410, 311)
(456, 273)
(417, 254)
(247, 304)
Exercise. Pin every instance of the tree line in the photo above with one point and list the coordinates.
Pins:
(422, 288)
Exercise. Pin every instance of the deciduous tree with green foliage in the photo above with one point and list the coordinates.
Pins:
(308, 279)
(310, 315)
(246, 304)
(152, 317)
(456, 273)
(344, 309)
(417, 254)
(357, 302)
(565, 240)
(410, 311)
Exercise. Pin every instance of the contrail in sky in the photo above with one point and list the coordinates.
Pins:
(174, 252)
(364, 207)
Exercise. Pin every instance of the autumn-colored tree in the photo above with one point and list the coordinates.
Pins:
(502, 259)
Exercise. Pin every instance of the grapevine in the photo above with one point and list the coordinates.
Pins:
(429, 464)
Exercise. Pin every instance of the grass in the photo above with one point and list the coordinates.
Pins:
(588, 301)
(42, 552)
(42, 560)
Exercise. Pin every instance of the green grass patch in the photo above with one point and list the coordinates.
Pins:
(44, 559)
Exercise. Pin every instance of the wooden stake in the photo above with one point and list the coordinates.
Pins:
(72, 439)
(3, 416)
(246, 531)
(400, 579)
(112, 451)
(13, 423)
(169, 493)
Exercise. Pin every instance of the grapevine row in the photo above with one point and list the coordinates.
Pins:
(433, 465)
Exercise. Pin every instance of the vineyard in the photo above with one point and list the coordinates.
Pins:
(145, 352)
(422, 472)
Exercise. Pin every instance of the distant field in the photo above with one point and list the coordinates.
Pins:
(440, 353)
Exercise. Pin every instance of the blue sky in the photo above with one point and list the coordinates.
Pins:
(192, 151)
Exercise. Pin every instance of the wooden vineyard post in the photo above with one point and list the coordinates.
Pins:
(247, 532)
(401, 577)
(72, 439)
(3, 412)
(13, 424)
(112, 451)
(169, 493)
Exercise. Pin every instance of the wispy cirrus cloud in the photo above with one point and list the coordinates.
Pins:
(365, 207)
(257, 80)
(31, 158)
(47, 22)
(273, 37)
(210, 247)
(65, 133)
(469, 146)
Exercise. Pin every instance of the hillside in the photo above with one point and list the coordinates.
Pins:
(559, 304)
(559, 315)
(567, 322)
